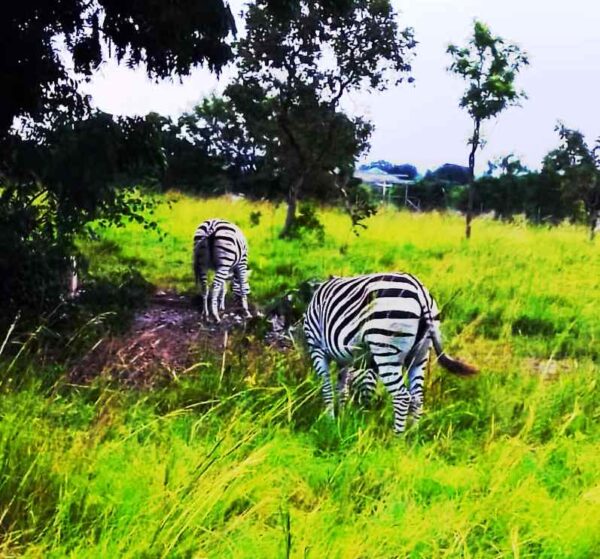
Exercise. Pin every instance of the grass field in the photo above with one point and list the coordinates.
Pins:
(236, 460)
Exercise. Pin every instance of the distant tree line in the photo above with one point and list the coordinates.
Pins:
(205, 157)
(566, 187)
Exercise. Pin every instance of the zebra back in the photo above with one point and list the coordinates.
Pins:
(341, 307)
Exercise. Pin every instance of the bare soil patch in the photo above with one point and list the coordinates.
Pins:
(166, 339)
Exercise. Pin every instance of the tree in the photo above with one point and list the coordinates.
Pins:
(218, 124)
(489, 65)
(165, 38)
(502, 189)
(56, 189)
(578, 169)
(166, 41)
(69, 165)
(451, 174)
(292, 75)
(507, 165)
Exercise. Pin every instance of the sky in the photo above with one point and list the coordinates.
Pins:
(421, 123)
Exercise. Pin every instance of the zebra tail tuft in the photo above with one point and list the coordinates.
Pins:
(452, 365)
(456, 366)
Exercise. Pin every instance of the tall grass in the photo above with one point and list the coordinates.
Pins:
(244, 465)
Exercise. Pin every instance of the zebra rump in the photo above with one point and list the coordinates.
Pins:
(391, 320)
(221, 246)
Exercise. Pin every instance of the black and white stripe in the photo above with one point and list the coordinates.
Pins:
(221, 246)
(376, 324)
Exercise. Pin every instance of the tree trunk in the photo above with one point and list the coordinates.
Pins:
(469, 216)
(593, 223)
(470, 200)
(292, 203)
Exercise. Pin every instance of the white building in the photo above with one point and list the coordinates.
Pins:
(382, 182)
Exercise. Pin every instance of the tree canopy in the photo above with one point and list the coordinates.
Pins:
(578, 168)
(55, 189)
(167, 39)
(450, 173)
(74, 165)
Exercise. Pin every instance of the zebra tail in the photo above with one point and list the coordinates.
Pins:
(452, 365)
(195, 260)
(207, 239)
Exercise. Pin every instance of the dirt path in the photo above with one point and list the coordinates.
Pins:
(165, 339)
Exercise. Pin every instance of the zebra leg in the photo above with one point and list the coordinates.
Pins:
(221, 276)
(243, 287)
(203, 280)
(321, 365)
(201, 265)
(343, 385)
(416, 379)
(363, 384)
(222, 298)
(390, 373)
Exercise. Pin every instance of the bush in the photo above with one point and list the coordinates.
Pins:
(50, 192)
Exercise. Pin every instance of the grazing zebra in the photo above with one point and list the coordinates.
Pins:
(387, 321)
(220, 245)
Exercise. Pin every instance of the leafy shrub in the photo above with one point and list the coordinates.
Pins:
(52, 190)
(307, 224)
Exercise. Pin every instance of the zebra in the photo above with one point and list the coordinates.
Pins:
(387, 320)
(221, 245)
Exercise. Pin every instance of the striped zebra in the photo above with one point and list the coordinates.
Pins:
(375, 324)
(221, 246)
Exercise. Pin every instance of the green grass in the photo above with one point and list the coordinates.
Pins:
(243, 464)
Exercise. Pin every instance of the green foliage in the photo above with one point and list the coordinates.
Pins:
(307, 224)
(508, 190)
(53, 189)
(429, 193)
(189, 164)
(489, 65)
(508, 165)
(360, 203)
(577, 168)
(141, 33)
(255, 218)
